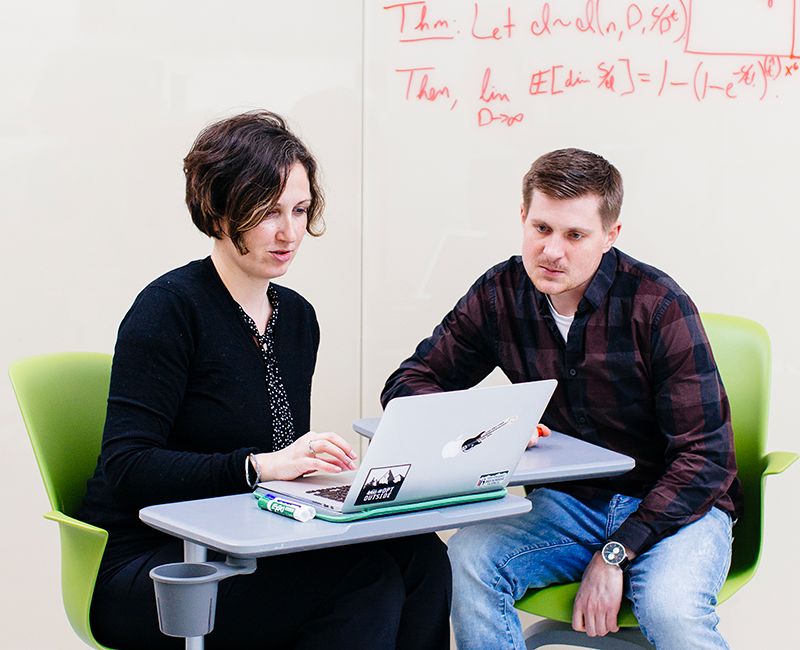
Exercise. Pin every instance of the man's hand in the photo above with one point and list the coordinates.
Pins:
(599, 598)
(540, 431)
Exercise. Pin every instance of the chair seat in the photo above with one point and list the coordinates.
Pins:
(555, 603)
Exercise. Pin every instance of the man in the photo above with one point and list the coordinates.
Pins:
(636, 375)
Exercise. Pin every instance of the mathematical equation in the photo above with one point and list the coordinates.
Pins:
(418, 20)
(692, 49)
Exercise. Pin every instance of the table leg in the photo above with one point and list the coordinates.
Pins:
(194, 553)
(195, 643)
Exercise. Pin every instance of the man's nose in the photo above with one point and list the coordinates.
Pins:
(553, 248)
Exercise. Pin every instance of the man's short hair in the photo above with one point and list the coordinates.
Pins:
(573, 173)
(237, 169)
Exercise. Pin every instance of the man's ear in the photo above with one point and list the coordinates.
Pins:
(523, 213)
(611, 236)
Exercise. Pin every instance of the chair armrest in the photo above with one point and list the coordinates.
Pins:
(776, 462)
(61, 518)
(82, 547)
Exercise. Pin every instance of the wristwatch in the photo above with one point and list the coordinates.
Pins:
(613, 553)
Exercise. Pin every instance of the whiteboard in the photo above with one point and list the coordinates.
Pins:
(697, 104)
(103, 98)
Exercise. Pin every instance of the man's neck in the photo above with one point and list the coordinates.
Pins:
(566, 304)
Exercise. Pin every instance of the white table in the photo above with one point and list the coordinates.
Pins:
(235, 526)
(557, 458)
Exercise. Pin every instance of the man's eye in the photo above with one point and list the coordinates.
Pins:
(541, 228)
(576, 236)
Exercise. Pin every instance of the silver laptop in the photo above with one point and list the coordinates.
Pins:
(430, 447)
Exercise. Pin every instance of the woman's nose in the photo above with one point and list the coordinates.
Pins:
(285, 228)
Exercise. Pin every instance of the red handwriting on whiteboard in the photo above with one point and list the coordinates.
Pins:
(486, 117)
(592, 19)
(624, 77)
(663, 18)
(609, 19)
(540, 83)
(417, 26)
(495, 32)
(544, 23)
(696, 69)
(702, 84)
(488, 91)
(420, 87)
(608, 78)
(555, 80)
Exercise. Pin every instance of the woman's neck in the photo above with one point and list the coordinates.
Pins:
(249, 292)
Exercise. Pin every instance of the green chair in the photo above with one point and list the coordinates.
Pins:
(63, 402)
(742, 351)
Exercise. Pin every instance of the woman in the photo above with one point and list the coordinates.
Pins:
(210, 393)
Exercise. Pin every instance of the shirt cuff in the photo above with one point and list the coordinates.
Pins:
(635, 536)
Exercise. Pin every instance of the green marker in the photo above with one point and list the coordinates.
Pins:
(296, 511)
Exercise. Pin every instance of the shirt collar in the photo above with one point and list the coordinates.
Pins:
(596, 291)
(601, 282)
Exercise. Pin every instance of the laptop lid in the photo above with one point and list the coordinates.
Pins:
(437, 445)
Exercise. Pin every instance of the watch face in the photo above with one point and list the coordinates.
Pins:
(613, 553)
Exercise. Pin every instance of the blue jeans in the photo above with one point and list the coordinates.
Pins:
(673, 585)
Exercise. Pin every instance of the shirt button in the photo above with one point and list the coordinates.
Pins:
(572, 372)
(582, 420)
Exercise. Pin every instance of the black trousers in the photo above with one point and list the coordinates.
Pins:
(388, 594)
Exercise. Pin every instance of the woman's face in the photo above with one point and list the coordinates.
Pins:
(273, 243)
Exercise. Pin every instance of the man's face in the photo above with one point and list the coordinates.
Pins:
(563, 241)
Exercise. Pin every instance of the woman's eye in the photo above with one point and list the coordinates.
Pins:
(301, 211)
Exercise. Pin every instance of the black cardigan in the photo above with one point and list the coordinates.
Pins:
(188, 400)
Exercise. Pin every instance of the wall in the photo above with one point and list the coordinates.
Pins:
(103, 99)
(101, 102)
(696, 103)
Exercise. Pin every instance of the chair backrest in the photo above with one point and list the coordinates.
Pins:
(63, 402)
(742, 352)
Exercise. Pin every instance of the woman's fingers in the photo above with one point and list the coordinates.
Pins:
(320, 465)
(340, 456)
(337, 440)
(334, 445)
(311, 452)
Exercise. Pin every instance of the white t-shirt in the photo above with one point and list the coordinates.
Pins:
(562, 322)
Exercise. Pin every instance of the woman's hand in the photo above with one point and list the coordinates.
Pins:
(541, 431)
(312, 452)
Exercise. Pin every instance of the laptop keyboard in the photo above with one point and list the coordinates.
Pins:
(335, 493)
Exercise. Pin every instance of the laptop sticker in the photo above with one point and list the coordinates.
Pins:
(495, 478)
(464, 443)
(382, 484)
